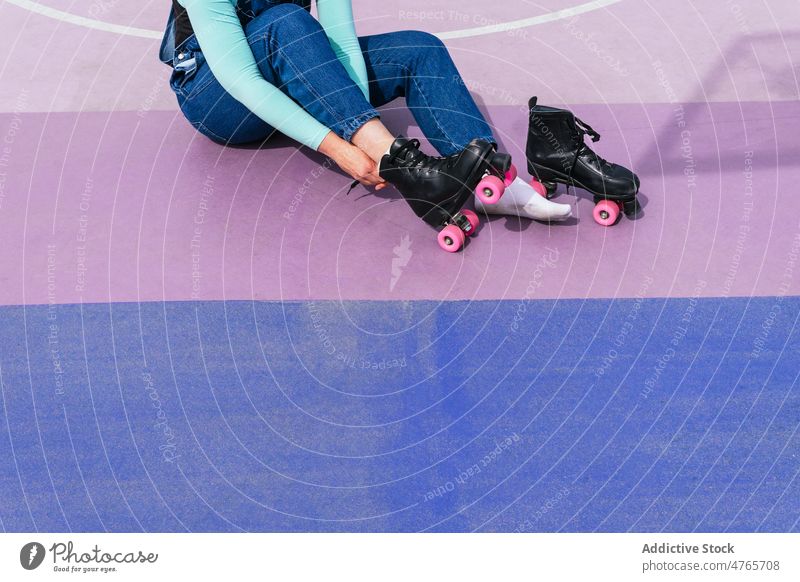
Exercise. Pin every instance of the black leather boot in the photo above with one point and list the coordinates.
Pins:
(557, 153)
(437, 188)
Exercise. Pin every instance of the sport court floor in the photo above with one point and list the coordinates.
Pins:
(197, 338)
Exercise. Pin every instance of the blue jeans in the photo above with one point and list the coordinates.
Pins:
(410, 64)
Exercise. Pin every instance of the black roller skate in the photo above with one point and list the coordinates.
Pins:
(438, 188)
(557, 154)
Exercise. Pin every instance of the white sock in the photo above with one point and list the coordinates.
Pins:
(520, 199)
(388, 150)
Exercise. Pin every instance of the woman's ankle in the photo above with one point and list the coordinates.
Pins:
(373, 139)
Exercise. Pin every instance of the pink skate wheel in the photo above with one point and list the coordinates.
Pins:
(474, 221)
(490, 190)
(451, 238)
(511, 175)
(539, 187)
(606, 212)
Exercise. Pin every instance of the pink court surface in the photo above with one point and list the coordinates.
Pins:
(220, 339)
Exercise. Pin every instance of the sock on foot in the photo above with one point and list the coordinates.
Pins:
(520, 199)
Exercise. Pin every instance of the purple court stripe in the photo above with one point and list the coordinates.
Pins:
(98, 207)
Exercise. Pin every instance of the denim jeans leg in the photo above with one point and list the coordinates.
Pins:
(416, 65)
(210, 109)
(294, 53)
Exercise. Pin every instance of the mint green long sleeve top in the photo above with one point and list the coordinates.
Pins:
(226, 50)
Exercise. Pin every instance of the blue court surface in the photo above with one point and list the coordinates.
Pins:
(545, 416)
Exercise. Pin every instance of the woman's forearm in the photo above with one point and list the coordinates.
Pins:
(228, 53)
(336, 17)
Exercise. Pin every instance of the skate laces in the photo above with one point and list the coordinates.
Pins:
(417, 156)
(586, 129)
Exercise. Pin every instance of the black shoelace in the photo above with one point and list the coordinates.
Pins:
(416, 158)
(586, 129)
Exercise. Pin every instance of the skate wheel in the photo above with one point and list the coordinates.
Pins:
(490, 190)
(539, 187)
(451, 238)
(606, 212)
(511, 175)
(473, 219)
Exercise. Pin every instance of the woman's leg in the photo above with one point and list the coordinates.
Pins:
(294, 54)
(417, 66)
(373, 139)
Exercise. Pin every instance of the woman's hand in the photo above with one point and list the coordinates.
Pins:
(352, 160)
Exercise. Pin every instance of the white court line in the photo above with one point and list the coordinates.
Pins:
(465, 33)
(526, 22)
(87, 22)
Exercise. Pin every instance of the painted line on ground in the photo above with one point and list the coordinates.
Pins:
(465, 33)
(528, 22)
(83, 21)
